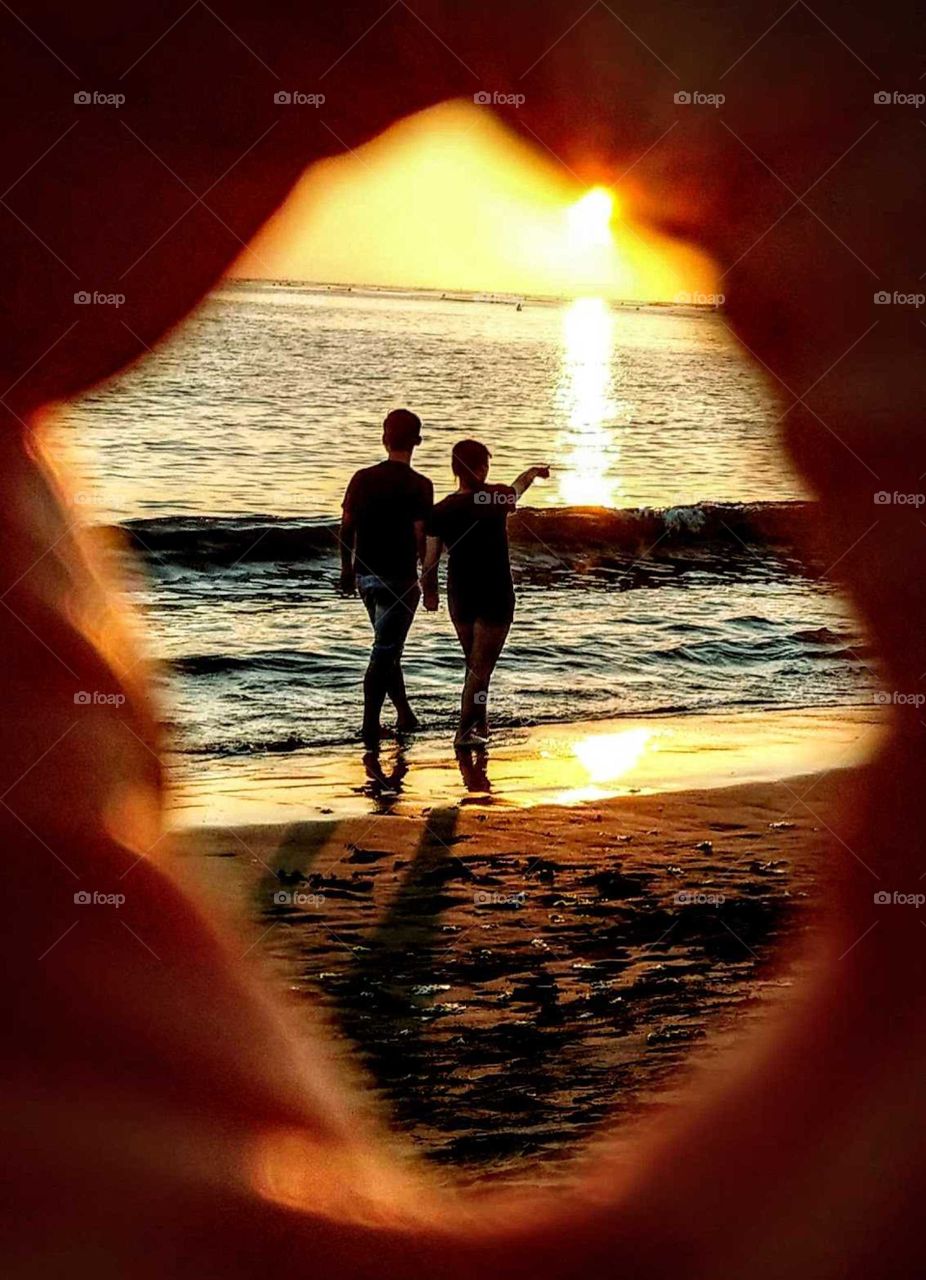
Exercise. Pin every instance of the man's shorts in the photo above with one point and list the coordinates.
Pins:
(391, 606)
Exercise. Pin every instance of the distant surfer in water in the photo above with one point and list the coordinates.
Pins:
(382, 541)
(472, 523)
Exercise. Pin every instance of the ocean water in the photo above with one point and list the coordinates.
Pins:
(654, 569)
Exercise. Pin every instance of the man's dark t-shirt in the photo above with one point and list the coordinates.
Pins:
(474, 528)
(384, 503)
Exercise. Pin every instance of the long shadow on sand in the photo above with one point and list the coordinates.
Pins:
(505, 1003)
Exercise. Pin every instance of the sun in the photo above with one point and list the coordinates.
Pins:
(588, 221)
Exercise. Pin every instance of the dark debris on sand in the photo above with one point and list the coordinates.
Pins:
(506, 1002)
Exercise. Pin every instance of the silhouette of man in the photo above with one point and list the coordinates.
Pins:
(382, 542)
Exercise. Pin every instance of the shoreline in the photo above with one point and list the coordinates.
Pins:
(562, 765)
(433, 293)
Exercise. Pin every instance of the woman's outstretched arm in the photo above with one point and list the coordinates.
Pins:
(527, 478)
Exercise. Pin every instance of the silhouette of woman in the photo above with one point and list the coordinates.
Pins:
(472, 524)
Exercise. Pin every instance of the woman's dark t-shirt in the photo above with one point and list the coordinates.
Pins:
(474, 528)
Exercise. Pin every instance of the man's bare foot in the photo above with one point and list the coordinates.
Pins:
(407, 722)
(371, 737)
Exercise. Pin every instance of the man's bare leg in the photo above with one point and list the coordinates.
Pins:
(384, 677)
(406, 720)
(375, 685)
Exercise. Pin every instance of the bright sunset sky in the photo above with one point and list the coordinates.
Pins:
(451, 199)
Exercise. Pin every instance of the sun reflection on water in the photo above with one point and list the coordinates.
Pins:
(589, 446)
(605, 759)
(606, 756)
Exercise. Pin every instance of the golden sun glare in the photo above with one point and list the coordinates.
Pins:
(450, 199)
(589, 220)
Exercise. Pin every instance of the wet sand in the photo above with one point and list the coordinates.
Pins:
(556, 764)
(507, 978)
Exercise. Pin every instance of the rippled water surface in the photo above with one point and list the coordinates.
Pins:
(228, 451)
(270, 397)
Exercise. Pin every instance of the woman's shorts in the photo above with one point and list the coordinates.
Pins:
(494, 607)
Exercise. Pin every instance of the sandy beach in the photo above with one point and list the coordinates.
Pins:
(509, 974)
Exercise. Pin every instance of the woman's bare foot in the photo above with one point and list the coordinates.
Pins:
(474, 736)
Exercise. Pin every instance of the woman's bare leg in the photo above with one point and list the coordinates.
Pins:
(488, 640)
(465, 634)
